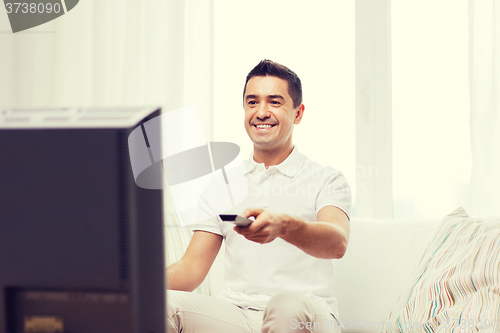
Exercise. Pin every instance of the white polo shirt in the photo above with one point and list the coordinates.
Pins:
(255, 272)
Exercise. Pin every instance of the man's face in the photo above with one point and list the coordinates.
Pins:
(269, 113)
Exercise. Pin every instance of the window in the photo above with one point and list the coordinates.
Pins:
(430, 107)
(314, 39)
(423, 166)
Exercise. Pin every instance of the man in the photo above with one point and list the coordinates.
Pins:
(279, 274)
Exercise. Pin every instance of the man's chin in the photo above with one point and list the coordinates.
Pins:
(261, 139)
(264, 145)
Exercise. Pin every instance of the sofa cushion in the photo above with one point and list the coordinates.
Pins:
(378, 264)
(456, 285)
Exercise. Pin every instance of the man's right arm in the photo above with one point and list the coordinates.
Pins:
(189, 272)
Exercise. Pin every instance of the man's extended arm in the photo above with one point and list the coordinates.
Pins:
(189, 272)
(326, 238)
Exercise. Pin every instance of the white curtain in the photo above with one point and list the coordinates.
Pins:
(484, 52)
(116, 53)
(113, 52)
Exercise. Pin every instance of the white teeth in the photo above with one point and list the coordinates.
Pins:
(264, 126)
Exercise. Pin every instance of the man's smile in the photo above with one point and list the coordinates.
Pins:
(264, 126)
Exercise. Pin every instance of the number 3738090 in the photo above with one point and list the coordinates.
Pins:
(32, 8)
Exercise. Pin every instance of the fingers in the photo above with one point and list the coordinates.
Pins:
(260, 221)
(261, 237)
(255, 227)
(252, 229)
(252, 212)
(261, 230)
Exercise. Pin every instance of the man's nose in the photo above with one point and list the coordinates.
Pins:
(263, 111)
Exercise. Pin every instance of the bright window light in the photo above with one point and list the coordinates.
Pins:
(316, 40)
(430, 110)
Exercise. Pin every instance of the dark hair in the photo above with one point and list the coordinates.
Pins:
(270, 68)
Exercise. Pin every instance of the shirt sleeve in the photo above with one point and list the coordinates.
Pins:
(335, 192)
(207, 217)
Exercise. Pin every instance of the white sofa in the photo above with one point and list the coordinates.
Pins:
(376, 268)
(373, 273)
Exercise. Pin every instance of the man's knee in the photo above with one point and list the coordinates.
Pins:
(177, 303)
(288, 306)
(294, 312)
(173, 299)
(288, 303)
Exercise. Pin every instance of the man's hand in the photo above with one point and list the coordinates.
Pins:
(266, 227)
(326, 238)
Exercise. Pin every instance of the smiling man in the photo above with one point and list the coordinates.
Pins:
(279, 272)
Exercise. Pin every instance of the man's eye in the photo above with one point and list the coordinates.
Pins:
(275, 102)
(252, 102)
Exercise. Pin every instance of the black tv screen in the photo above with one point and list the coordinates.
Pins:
(81, 245)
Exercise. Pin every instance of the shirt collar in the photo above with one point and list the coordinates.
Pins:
(289, 167)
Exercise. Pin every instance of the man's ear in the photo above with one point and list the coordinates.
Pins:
(299, 113)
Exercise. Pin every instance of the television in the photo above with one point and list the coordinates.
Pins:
(81, 245)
